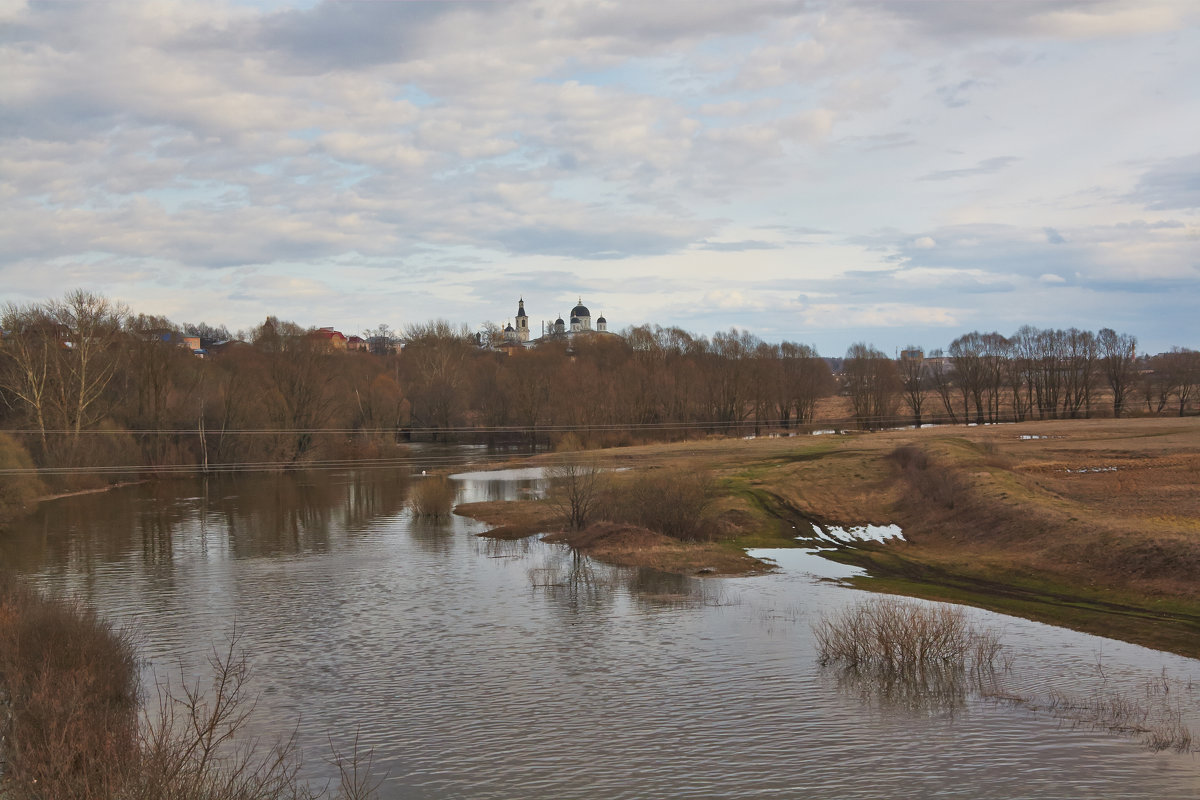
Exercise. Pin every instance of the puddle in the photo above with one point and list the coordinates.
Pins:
(858, 533)
(1091, 469)
(807, 561)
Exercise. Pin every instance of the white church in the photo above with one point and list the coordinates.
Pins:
(581, 323)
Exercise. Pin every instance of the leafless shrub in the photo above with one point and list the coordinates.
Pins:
(69, 720)
(575, 491)
(910, 458)
(897, 635)
(357, 779)
(68, 699)
(432, 497)
(939, 484)
(193, 746)
(673, 502)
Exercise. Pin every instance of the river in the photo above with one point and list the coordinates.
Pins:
(488, 669)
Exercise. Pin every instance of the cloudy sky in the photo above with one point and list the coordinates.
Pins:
(826, 172)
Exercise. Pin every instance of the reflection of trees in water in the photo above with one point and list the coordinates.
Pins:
(580, 584)
(650, 587)
(575, 583)
(503, 548)
(279, 514)
(289, 512)
(87, 530)
(374, 494)
(928, 689)
(432, 534)
(243, 515)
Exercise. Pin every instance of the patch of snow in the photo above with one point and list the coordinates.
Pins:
(858, 533)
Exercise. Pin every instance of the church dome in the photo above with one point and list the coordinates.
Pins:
(580, 310)
(558, 321)
(601, 319)
(574, 319)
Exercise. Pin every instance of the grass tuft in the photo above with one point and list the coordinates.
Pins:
(432, 497)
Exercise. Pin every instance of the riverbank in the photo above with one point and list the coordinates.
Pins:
(621, 544)
(1089, 524)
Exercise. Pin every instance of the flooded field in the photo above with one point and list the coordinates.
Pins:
(500, 669)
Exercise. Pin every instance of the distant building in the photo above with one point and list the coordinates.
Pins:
(335, 340)
(514, 336)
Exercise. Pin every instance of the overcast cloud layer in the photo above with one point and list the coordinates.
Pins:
(894, 172)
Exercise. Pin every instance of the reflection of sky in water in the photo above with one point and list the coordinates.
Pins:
(808, 562)
(471, 681)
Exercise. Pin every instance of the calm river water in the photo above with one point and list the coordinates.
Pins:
(480, 669)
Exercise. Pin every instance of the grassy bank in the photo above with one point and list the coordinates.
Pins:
(1090, 524)
(1094, 525)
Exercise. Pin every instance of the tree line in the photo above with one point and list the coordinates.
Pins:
(86, 384)
(1033, 374)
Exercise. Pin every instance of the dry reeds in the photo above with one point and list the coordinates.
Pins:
(432, 497)
(1151, 716)
(895, 635)
(72, 726)
(68, 699)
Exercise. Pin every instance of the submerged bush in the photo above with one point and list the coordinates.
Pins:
(432, 497)
(895, 635)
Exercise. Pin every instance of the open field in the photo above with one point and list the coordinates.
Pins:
(1091, 524)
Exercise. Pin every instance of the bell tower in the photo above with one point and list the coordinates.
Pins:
(522, 321)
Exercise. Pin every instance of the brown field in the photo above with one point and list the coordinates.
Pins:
(1095, 525)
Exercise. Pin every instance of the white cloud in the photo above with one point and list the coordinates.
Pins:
(221, 146)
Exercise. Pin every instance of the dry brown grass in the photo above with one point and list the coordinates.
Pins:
(68, 699)
(72, 726)
(995, 516)
(432, 496)
(512, 519)
(632, 546)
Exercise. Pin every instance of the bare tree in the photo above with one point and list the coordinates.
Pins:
(435, 363)
(873, 385)
(1180, 370)
(1118, 359)
(575, 491)
(941, 376)
(60, 358)
(914, 376)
